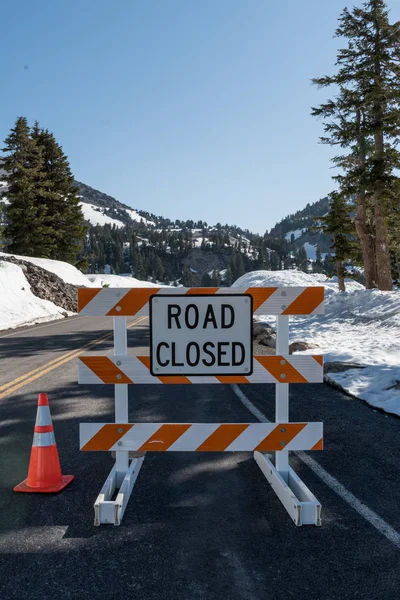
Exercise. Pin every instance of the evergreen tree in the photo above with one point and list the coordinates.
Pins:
(158, 269)
(228, 277)
(63, 213)
(274, 261)
(206, 280)
(339, 225)
(365, 119)
(215, 278)
(302, 259)
(318, 266)
(187, 277)
(239, 265)
(26, 231)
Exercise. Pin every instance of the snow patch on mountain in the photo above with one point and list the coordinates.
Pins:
(297, 233)
(96, 216)
(134, 215)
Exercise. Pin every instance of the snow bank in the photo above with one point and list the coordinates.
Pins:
(119, 281)
(359, 326)
(18, 305)
(67, 272)
(293, 278)
(377, 385)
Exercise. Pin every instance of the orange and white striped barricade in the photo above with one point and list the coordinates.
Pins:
(198, 336)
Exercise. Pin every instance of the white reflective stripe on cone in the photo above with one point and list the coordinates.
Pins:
(43, 416)
(44, 439)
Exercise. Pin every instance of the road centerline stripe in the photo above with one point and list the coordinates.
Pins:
(368, 514)
(16, 384)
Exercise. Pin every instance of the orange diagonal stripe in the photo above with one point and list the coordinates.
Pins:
(274, 366)
(104, 368)
(174, 379)
(201, 291)
(164, 437)
(319, 445)
(107, 436)
(274, 440)
(232, 379)
(260, 295)
(222, 437)
(132, 302)
(319, 359)
(145, 360)
(85, 295)
(306, 302)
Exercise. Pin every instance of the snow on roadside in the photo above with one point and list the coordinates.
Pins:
(65, 271)
(119, 281)
(19, 306)
(359, 326)
(376, 384)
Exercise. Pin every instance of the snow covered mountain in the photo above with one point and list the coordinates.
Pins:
(204, 247)
(296, 229)
(99, 208)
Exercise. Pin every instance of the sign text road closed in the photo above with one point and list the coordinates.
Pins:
(201, 335)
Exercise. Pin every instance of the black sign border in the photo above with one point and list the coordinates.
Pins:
(172, 296)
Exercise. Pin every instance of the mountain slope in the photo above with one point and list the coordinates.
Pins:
(123, 239)
(296, 229)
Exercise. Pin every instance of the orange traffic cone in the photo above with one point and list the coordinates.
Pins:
(44, 473)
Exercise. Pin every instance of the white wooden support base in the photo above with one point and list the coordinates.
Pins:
(107, 511)
(300, 503)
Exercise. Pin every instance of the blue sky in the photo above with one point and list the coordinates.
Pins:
(192, 109)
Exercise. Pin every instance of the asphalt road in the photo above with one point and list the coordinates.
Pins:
(198, 526)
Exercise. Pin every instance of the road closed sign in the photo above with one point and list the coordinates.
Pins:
(201, 335)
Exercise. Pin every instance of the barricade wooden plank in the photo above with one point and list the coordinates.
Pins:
(296, 368)
(201, 437)
(135, 301)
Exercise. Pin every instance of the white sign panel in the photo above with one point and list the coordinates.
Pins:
(201, 335)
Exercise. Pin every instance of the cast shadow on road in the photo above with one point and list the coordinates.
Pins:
(22, 346)
(171, 489)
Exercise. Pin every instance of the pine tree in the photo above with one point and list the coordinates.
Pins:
(302, 259)
(228, 280)
(206, 280)
(215, 278)
(318, 266)
(187, 277)
(274, 262)
(239, 265)
(365, 119)
(25, 232)
(64, 216)
(339, 225)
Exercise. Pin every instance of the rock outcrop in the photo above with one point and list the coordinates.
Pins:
(46, 285)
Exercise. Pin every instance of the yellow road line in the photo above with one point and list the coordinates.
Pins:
(16, 384)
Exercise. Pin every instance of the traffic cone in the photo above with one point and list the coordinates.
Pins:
(44, 474)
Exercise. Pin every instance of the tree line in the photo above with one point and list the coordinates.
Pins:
(363, 121)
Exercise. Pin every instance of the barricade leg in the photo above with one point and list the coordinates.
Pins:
(300, 503)
(124, 473)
